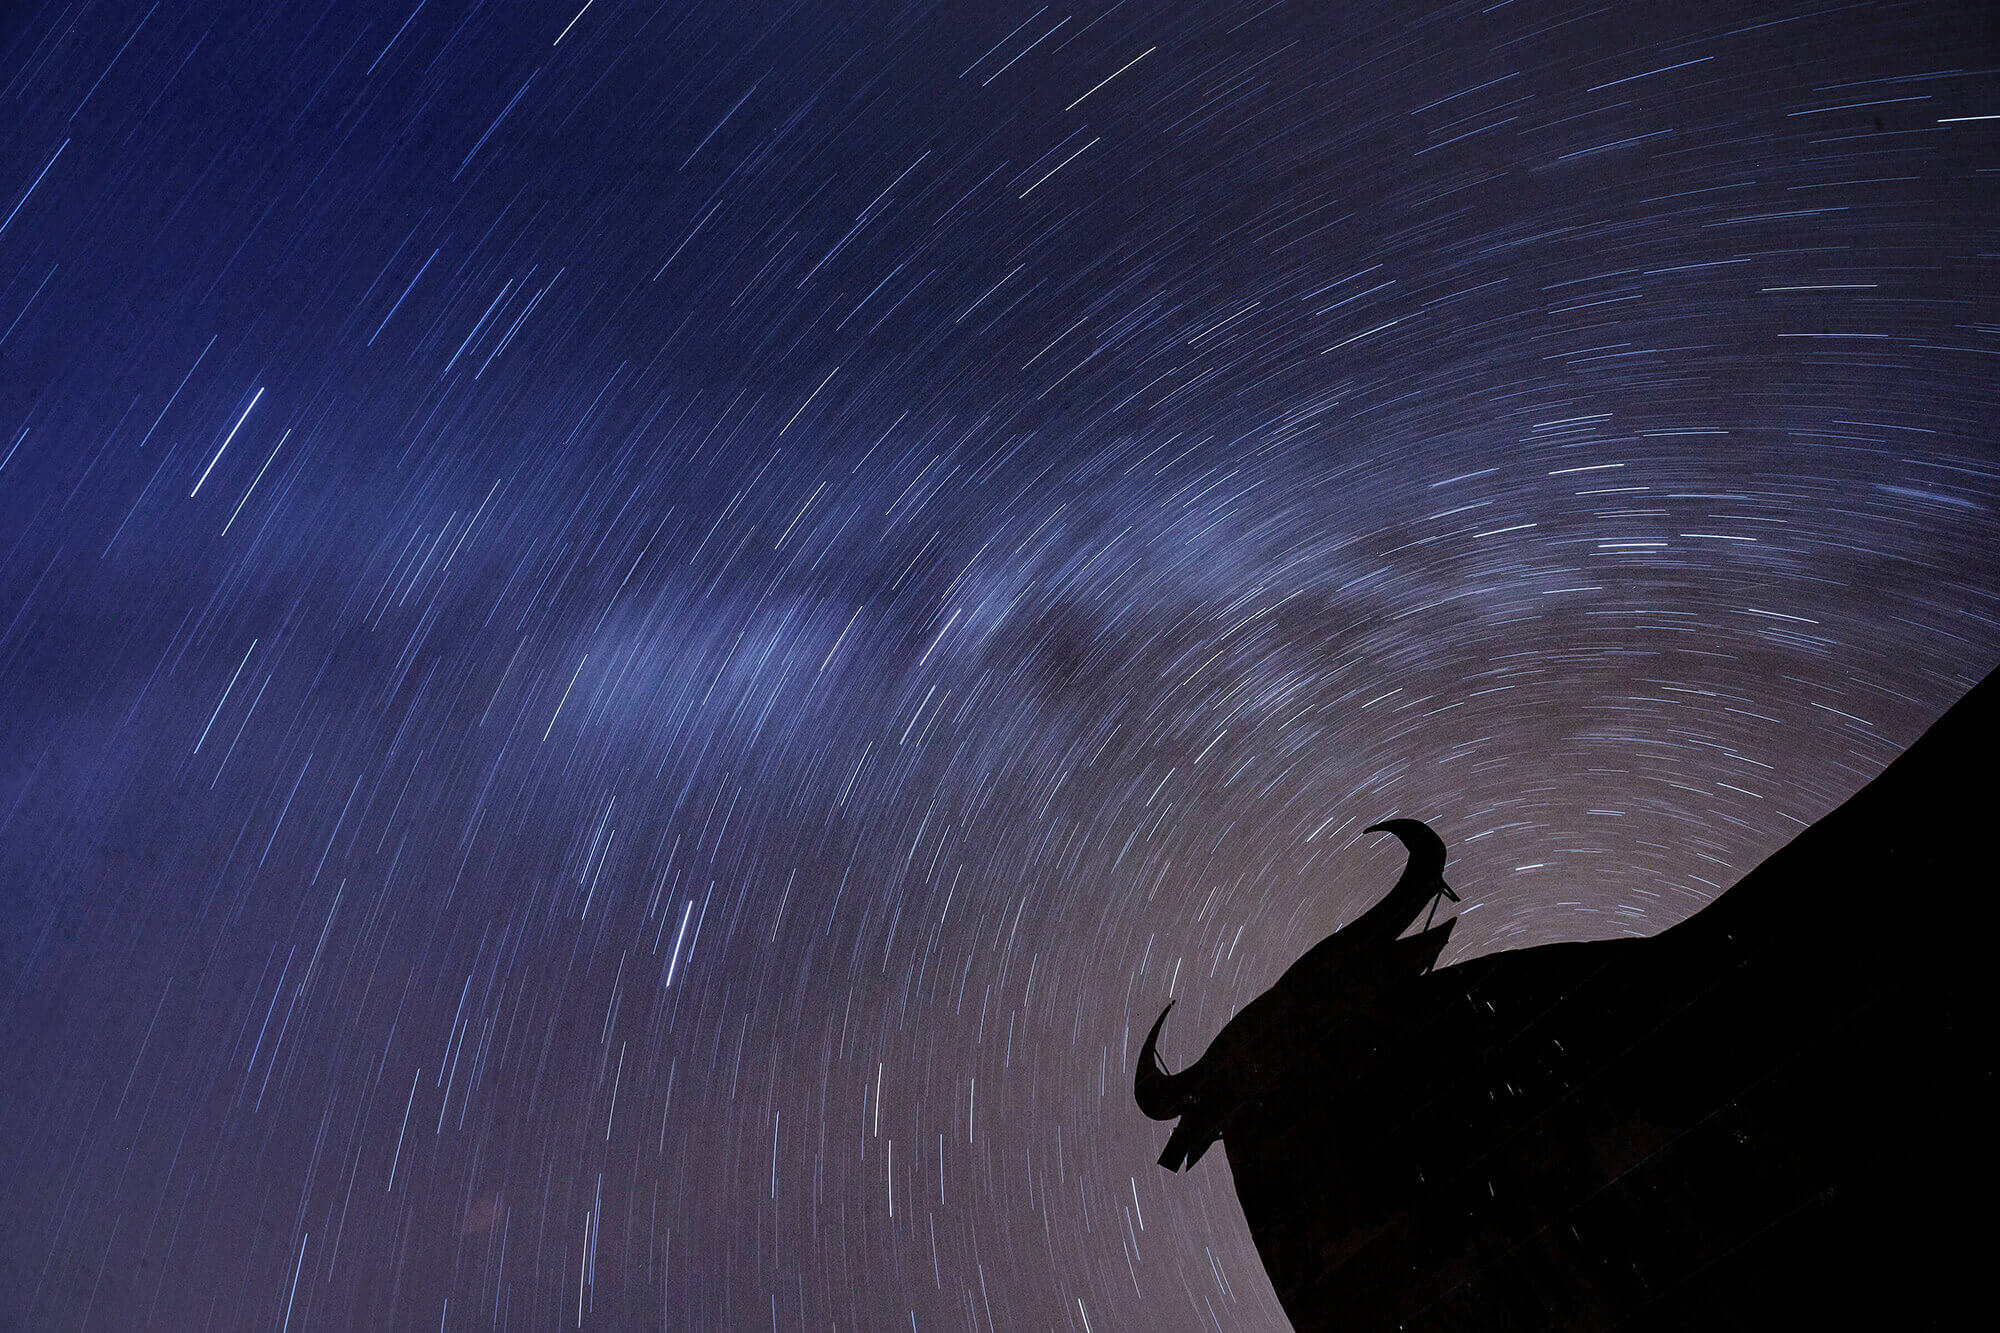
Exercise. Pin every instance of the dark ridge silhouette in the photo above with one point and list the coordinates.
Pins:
(1778, 1114)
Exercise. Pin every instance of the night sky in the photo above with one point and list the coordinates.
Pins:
(636, 644)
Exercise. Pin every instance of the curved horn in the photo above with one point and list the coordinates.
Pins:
(1422, 879)
(1157, 1091)
(1426, 848)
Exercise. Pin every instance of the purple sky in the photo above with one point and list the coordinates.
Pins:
(636, 644)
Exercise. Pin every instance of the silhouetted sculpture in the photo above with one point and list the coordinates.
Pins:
(1778, 1114)
(1342, 974)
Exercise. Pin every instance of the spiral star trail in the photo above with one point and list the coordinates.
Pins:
(634, 639)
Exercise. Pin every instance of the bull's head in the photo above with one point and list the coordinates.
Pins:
(1164, 1095)
(1253, 1047)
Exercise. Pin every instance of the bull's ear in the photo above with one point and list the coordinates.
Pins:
(1184, 1147)
(1418, 953)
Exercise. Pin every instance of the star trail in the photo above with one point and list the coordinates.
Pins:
(637, 641)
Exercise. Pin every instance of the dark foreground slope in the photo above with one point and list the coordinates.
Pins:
(1778, 1114)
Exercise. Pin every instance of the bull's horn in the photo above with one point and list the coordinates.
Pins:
(1427, 851)
(1157, 1091)
(1421, 882)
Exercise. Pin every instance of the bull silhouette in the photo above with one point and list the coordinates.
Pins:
(1252, 1055)
(1780, 1112)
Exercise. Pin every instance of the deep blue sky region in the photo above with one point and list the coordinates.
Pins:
(636, 641)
